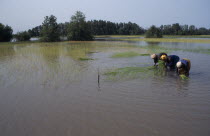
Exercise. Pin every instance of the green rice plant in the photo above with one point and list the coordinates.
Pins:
(183, 77)
(129, 73)
(136, 72)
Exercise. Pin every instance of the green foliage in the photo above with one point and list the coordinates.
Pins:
(183, 77)
(153, 32)
(78, 29)
(176, 29)
(50, 31)
(98, 27)
(5, 33)
(63, 27)
(23, 36)
(35, 32)
(101, 27)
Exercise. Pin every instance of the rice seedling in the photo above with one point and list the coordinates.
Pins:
(183, 77)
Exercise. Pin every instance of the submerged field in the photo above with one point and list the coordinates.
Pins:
(104, 87)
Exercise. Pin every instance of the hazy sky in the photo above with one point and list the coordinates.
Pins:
(24, 14)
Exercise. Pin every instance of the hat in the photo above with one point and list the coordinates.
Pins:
(153, 56)
(163, 57)
(178, 64)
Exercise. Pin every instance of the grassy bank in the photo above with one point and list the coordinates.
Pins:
(165, 36)
(115, 36)
(186, 36)
(169, 40)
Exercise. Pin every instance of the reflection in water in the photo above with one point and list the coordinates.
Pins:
(46, 90)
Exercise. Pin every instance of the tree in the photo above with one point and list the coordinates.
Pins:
(23, 36)
(63, 28)
(78, 28)
(35, 32)
(153, 32)
(5, 33)
(192, 30)
(50, 31)
(176, 28)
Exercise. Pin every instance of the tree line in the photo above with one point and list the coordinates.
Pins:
(80, 29)
(177, 29)
(98, 27)
(101, 27)
(5, 33)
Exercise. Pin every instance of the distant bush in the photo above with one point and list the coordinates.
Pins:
(5, 33)
(23, 36)
(153, 32)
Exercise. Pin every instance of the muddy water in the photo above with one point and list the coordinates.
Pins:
(46, 90)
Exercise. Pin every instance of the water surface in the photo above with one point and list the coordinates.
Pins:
(46, 90)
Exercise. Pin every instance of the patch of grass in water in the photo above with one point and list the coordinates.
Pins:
(85, 59)
(129, 73)
(144, 54)
(136, 72)
(127, 54)
(91, 52)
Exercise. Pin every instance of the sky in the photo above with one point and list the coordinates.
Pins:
(22, 15)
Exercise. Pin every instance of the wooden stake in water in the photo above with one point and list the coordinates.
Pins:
(98, 78)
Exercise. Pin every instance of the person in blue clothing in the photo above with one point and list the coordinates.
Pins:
(170, 60)
(183, 67)
(157, 57)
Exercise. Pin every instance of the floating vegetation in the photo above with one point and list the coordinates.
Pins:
(127, 54)
(184, 77)
(85, 59)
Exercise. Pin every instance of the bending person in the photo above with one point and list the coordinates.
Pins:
(183, 67)
(170, 60)
(157, 57)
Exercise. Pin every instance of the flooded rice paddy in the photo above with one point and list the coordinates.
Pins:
(80, 89)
